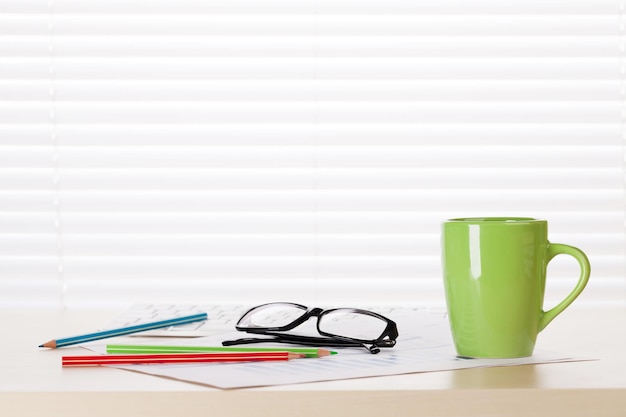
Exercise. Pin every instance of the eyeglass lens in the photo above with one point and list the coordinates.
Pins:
(352, 324)
(271, 315)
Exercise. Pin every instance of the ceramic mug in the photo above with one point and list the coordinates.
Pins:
(494, 272)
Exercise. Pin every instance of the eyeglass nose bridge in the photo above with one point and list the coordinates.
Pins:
(312, 312)
(315, 312)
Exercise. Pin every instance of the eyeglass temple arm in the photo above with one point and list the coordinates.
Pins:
(247, 340)
(297, 340)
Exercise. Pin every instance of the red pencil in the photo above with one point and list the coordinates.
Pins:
(170, 358)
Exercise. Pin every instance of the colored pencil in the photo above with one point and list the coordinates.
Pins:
(124, 330)
(146, 349)
(176, 358)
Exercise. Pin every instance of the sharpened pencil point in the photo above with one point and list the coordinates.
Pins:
(324, 352)
(51, 344)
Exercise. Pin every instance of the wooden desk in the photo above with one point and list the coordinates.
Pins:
(32, 382)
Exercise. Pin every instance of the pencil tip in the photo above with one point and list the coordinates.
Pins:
(324, 352)
(41, 345)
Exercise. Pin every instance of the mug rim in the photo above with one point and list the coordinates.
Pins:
(495, 220)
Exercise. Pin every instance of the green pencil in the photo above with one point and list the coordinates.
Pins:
(147, 349)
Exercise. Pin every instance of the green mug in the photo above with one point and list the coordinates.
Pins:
(494, 272)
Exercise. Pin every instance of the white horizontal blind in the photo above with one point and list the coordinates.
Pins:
(252, 151)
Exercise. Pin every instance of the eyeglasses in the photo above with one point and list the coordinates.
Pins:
(342, 327)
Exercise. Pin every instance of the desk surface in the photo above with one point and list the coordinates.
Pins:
(32, 382)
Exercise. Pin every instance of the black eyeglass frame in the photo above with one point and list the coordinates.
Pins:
(387, 339)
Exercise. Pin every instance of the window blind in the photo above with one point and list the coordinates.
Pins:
(246, 151)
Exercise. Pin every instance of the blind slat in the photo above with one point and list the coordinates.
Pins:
(314, 157)
(311, 68)
(468, 91)
(356, 46)
(328, 112)
(283, 222)
(245, 245)
(289, 269)
(305, 200)
(495, 178)
(337, 134)
(446, 7)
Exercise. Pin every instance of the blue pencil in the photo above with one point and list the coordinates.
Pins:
(122, 331)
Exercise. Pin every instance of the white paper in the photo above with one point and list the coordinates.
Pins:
(424, 345)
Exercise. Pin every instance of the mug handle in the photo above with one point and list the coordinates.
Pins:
(585, 270)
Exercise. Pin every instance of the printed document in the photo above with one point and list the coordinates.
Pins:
(424, 345)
